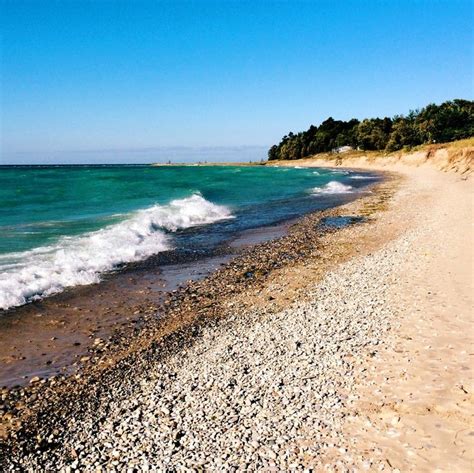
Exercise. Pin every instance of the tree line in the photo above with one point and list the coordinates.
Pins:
(452, 120)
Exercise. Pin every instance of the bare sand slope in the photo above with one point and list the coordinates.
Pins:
(456, 157)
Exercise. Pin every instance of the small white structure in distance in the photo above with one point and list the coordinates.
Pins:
(342, 149)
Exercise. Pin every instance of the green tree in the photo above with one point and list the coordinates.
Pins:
(449, 121)
(373, 133)
(404, 134)
(273, 153)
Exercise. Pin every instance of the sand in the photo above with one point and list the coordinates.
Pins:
(415, 406)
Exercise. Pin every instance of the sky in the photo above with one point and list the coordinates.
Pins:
(114, 81)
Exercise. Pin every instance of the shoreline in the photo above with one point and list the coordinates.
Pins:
(54, 335)
(280, 255)
(340, 354)
(455, 157)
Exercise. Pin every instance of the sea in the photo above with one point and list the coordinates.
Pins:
(65, 226)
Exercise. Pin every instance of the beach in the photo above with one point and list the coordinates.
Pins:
(85, 267)
(236, 236)
(344, 344)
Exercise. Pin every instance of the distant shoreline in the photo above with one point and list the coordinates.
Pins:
(209, 164)
(455, 156)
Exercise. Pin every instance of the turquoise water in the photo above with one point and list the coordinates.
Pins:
(64, 226)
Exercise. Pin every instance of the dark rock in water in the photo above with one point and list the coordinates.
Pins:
(340, 221)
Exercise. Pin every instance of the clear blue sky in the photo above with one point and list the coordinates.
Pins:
(135, 78)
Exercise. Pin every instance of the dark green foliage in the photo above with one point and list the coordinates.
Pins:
(449, 121)
(404, 133)
(374, 133)
(446, 122)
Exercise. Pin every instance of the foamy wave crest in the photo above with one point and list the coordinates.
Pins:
(333, 187)
(358, 176)
(81, 260)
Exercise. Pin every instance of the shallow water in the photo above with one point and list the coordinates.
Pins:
(340, 221)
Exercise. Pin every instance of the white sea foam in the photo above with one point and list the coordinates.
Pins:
(333, 187)
(358, 176)
(81, 260)
(316, 173)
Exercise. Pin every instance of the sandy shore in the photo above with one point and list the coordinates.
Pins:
(413, 404)
(413, 407)
(342, 350)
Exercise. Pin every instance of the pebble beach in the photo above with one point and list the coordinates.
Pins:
(309, 354)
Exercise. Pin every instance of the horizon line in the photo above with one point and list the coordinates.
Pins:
(140, 150)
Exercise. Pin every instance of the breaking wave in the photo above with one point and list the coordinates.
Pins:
(333, 187)
(80, 260)
(358, 176)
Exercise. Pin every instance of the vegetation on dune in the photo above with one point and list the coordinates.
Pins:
(452, 120)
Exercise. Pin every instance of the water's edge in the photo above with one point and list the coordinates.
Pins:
(51, 336)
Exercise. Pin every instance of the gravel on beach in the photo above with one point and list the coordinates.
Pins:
(258, 389)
